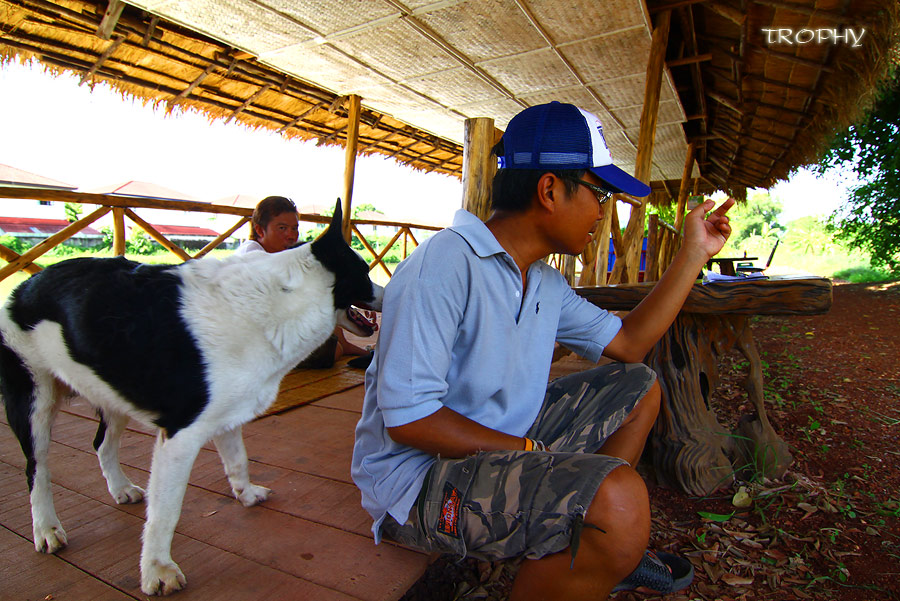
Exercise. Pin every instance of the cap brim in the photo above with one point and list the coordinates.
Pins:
(619, 181)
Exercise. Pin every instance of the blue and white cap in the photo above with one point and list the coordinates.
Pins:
(562, 136)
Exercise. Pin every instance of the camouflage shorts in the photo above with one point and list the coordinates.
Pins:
(504, 504)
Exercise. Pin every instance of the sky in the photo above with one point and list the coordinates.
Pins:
(54, 127)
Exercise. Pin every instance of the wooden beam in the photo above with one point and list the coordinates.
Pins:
(110, 18)
(479, 166)
(350, 161)
(725, 101)
(9, 255)
(187, 91)
(248, 102)
(302, 116)
(689, 60)
(685, 183)
(151, 30)
(628, 262)
(732, 14)
(40, 248)
(106, 54)
(112, 200)
(156, 235)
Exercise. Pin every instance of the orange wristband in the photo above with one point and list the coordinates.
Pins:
(529, 444)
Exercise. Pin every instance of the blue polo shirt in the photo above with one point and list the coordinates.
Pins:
(458, 331)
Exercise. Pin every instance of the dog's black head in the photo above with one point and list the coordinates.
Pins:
(352, 285)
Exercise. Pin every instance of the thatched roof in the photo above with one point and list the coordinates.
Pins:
(755, 110)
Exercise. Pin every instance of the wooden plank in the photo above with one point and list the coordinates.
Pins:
(30, 576)
(219, 522)
(775, 296)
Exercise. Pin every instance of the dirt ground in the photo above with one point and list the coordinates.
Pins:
(831, 528)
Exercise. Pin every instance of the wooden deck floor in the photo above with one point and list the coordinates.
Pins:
(310, 541)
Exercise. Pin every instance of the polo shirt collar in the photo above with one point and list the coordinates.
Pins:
(476, 234)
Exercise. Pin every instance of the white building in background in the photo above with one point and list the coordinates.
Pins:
(26, 207)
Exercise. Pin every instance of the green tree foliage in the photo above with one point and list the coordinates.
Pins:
(13, 243)
(755, 218)
(871, 217)
(73, 211)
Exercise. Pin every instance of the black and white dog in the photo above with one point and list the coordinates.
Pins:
(196, 349)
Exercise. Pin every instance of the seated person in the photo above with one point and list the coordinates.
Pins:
(462, 448)
(274, 227)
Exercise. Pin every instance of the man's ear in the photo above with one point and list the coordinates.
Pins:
(260, 232)
(547, 191)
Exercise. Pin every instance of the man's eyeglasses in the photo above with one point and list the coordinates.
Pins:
(600, 192)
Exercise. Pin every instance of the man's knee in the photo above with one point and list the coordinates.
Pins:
(621, 498)
(621, 507)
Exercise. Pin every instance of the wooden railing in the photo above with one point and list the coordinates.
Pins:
(123, 206)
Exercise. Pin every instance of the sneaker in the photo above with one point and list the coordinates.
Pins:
(662, 573)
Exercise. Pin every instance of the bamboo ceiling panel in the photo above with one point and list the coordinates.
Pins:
(432, 65)
(755, 111)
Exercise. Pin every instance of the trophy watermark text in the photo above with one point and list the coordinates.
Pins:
(792, 37)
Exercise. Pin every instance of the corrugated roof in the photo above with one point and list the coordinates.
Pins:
(30, 225)
(13, 176)
(144, 190)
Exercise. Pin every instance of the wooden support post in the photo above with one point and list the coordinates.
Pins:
(685, 182)
(596, 257)
(628, 263)
(479, 166)
(653, 259)
(118, 231)
(350, 162)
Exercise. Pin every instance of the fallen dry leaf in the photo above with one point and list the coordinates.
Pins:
(735, 580)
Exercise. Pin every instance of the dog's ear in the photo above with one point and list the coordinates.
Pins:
(337, 219)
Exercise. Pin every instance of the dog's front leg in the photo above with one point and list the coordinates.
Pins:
(169, 474)
(231, 449)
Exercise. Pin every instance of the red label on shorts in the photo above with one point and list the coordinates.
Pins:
(449, 518)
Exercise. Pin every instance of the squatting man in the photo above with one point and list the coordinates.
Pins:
(462, 447)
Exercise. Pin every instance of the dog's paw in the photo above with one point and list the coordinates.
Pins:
(128, 494)
(252, 495)
(49, 539)
(162, 579)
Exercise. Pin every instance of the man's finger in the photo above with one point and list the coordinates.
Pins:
(723, 208)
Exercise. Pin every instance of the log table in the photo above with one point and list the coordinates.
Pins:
(691, 449)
